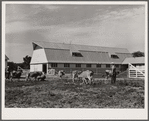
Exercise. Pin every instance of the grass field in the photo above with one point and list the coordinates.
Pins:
(56, 93)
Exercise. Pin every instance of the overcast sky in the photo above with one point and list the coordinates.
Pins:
(120, 26)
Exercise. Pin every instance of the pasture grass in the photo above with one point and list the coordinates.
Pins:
(57, 93)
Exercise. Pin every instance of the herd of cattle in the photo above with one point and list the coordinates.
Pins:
(85, 76)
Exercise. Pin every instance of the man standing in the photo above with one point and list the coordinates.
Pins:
(113, 73)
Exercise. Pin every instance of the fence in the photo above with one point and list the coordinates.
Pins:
(135, 72)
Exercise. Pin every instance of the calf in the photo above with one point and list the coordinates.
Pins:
(61, 73)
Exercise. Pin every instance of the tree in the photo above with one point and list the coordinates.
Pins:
(138, 54)
(26, 63)
(12, 66)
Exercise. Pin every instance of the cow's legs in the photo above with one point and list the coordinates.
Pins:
(73, 78)
(89, 79)
(84, 81)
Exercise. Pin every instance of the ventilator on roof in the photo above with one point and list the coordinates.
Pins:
(113, 55)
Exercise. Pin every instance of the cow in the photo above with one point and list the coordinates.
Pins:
(16, 74)
(75, 74)
(108, 73)
(34, 75)
(86, 76)
(61, 73)
(41, 77)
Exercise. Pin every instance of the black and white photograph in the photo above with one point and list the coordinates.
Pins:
(74, 60)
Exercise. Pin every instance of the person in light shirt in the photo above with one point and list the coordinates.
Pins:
(113, 73)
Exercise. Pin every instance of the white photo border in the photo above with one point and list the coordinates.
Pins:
(71, 114)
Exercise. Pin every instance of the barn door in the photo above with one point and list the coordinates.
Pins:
(44, 68)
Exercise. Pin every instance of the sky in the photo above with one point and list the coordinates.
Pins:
(121, 26)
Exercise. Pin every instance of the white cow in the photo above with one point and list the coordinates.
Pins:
(86, 76)
(75, 74)
(61, 73)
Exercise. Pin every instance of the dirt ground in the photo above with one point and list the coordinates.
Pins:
(57, 93)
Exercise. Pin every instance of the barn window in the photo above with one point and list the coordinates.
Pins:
(98, 65)
(113, 55)
(66, 65)
(88, 65)
(78, 65)
(108, 65)
(76, 54)
(53, 64)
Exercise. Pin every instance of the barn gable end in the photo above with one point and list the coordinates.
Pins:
(35, 46)
(39, 56)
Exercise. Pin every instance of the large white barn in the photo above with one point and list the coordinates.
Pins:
(69, 57)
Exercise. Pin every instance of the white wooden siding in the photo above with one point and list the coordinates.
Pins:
(39, 56)
(136, 72)
(37, 67)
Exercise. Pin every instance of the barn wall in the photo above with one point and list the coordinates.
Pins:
(93, 65)
(100, 71)
(103, 66)
(83, 65)
(39, 56)
(37, 67)
(72, 65)
(60, 65)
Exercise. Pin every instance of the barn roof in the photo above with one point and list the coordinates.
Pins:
(79, 47)
(59, 56)
(62, 53)
(136, 60)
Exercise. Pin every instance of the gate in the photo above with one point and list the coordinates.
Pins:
(135, 72)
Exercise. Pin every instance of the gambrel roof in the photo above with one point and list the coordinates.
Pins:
(136, 60)
(61, 53)
(80, 47)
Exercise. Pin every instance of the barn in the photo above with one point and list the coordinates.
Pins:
(69, 57)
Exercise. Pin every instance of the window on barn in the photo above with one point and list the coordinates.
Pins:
(53, 64)
(107, 65)
(113, 55)
(76, 54)
(88, 65)
(98, 65)
(78, 65)
(66, 65)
